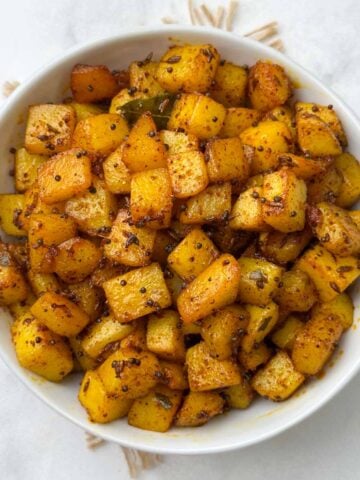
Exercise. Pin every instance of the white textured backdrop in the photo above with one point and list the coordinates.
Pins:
(35, 442)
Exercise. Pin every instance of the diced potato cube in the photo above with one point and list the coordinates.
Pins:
(226, 160)
(156, 411)
(188, 68)
(144, 149)
(188, 173)
(13, 287)
(12, 206)
(93, 210)
(208, 373)
(117, 176)
(85, 362)
(43, 282)
(26, 168)
(122, 98)
(164, 336)
(129, 244)
(315, 137)
(85, 110)
(197, 114)
(237, 120)
(129, 373)
(137, 338)
(330, 274)
(282, 114)
(100, 134)
(210, 205)
(230, 84)
(102, 332)
(341, 307)
(302, 167)
(174, 284)
(49, 128)
(261, 321)
(246, 213)
(326, 187)
(285, 195)
(59, 314)
(349, 168)
(164, 244)
(297, 292)
(284, 337)
(327, 115)
(335, 229)
(259, 280)
(40, 350)
(173, 375)
(227, 239)
(241, 395)
(92, 83)
(137, 293)
(100, 407)
(215, 287)
(268, 138)
(278, 379)
(193, 255)
(198, 408)
(88, 296)
(315, 343)
(222, 330)
(178, 142)
(151, 198)
(142, 77)
(284, 247)
(269, 86)
(259, 355)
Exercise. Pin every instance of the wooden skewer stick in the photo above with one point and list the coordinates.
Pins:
(208, 14)
(260, 29)
(198, 17)
(233, 5)
(191, 12)
(168, 20)
(277, 44)
(265, 33)
(219, 17)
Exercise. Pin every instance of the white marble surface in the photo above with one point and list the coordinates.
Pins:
(35, 442)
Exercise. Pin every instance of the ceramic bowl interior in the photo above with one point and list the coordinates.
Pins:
(237, 428)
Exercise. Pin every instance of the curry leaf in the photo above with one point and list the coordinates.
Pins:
(160, 108)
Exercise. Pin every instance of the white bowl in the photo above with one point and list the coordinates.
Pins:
(237, 428)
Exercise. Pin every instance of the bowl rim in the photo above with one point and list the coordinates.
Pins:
(169, 30)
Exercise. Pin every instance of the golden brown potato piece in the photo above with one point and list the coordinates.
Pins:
(198, 115)
(188, 68)
(84, 361)
(230, 84)
(315, 137)
(284, 337)
(100, 407)
(156, 411)
(237, 120)
(269, 86)
(128, 244)
(302, 167)
(165, 337)
(129, 373)
(268, 139)
(137, 293)
(261, 321)
(173, 375)
(193, 255)
(142, 78)
(259, 355)
(49, 128)
(247, 214)
(43, 282)
(40, 350)
(282, 114)
(88, 296)
(12, 206)
(335, 229)
(211, 205)
(215, 287)
(179, 142)
(348, 166)
(285, 197)
(297, 292)
(326, 187)
(76, 259)
(92, 83)
(208, 373)
(188, 173)
(278, 380)
(341, 307)
(85, 110)
(281, 247)
(259, 280)
(151, 198)
(59, 314)
(26, 168)
(117, 176)
(225, 160)
(13, 287)
(239, 396)
(223, 329)
(198, 408)
(315, 343)
(164, 244)
(327, 115)
(144, 149)
(124, 96)
(331, 274)
(100, 134)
